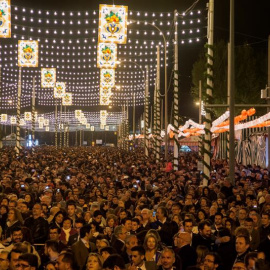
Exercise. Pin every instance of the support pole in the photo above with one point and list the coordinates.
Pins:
(65, 127)
(80, 136)
(158, 127)
(60, 124)
(33, 113)
(18, 128)
(175, 96)
(134, 123)
(232, 95)
(56, 125)
(268, 101)
(207, 137)
(146, 113)
(200, 116)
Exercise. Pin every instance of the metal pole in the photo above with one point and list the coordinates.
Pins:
(268, 102)
(166, 99)
(33, 113)
(134, 127)
(232, 94)
(80, 135)
(56, 124)
(60, 123)
(68, 131)
(18, 128)
(175, 95)
(158, 127)
(228, 101)
(207, 137)
(146, 123)
(65, 127)
(76, 138)
(200, 115)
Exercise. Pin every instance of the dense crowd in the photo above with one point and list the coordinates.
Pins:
(105, 208)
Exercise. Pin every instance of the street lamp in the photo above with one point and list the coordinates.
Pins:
(166, 84)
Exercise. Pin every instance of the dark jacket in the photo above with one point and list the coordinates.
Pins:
(188, 256)
(39, 229)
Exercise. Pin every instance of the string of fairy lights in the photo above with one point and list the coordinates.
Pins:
(68, 41)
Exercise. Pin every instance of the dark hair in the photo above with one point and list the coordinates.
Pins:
(97, 213)
(53, 245)
(55, 227)
(114, 260)
(16, 229)
(136, 220)
(187, 220)
(246, 237)
(67, 218)
(123, 221)
(217, 259)
(68, 258)
(80, 220)
(110, 250)
(202, 224)
(163, 210)
(140, 250)
(84, 230)
(16, 250)
(30, 258)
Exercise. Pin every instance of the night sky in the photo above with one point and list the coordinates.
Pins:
(251, 17)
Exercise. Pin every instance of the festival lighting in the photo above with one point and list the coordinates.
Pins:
(59, 89)
(48, 77)
(67, 99)
(107, 55)
(27, 116)
(28, 53)
(5, 19)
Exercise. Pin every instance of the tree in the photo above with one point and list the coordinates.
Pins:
(250, 75)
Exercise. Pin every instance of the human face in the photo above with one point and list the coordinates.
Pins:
(78, 226)
(239, 266)
(23, 265)
(123, 234)
(242, 214)
(249, 225)
(151, 243)
(134, 226)
(59, 218)
(188, 227)
(93, 263)
(175, 210)
(136, 258)
(54, 234)
(206, 231)
(159, 214)
(17, 236)
(11, 215)
(37, 209)
(145, 215)
(240, 245)
(67, 224)
(111, 222)
(128, 225)
(133, 241)
(105, 255)
(123, 215)
(71, 210)
(14, 260)
(4, 262)
(228, 225)
(50, 266)
(209, 263)
(218, 220)
(265, 220)
(24, 208)
(98, 219)
(167, 260)
(60, 265)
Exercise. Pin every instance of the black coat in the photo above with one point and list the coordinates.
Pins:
(188, 256)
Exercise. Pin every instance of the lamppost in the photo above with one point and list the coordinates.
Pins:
(166, 84)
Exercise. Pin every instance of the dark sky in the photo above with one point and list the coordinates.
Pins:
(252, 24)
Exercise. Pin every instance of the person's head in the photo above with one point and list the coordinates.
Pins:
(242, 243)
(51, 247)
(242, 214)
(4, 261)
(145, 213)
(184, 238)
(37, 210)
(167, 258)
(131, 241)
(54, 233)
(265, 219)
(250, 260)
(218, 219)
(150, 242)
(94, 262)
(188, 225)
(114, 262)
(120, 232)
(161, 213)
(27, 261)
(50, 266)
(67, 223)
(211, 261)
(135, 224)
(106, 252)
(201, 253)
(13, 257)
(101, 243)
(65, 261)
(137, 255)
(205, 229)
(97, 216)
(79, 224)
(85, 231)
(24, 207)
(126, 222)
(71, 209)
(16, 234)
(239, 266)
(249, 224)
(59, 217)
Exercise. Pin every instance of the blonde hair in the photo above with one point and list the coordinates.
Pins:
(99, 258)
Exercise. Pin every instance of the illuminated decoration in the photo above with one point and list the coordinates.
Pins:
(87, 126)
(46, 122)
(27, 116)
(107, 128)
(22, 122)
(13, 120)
(203, 112)
(103, 117)
(107, 77)
(78, 114)
(48, 77)
(4, 118)
(41, 120)
(47, 128)
(105, 100)
(67, 99)
(107, 55)
(113, 24)
(92, 128)
(28, 53)
(102, 126)
(5, 19)
(40, 124)
(59, 89)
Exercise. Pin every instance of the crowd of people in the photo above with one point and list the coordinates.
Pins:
(94, 208)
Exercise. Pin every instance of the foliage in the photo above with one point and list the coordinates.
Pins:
(250, 76)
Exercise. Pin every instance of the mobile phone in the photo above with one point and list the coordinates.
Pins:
(22, 186)
(68, 177)
(138, 181)
(135, 186)
(33, 170)
(47, 187)
(58, 190)
(154, 213)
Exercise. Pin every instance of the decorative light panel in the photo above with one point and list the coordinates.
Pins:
(48, 77)
(28, 53)
(27, 116)
(5, 19)
(107, 55)
(67, 99)
(113, 24)
(59, 89)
